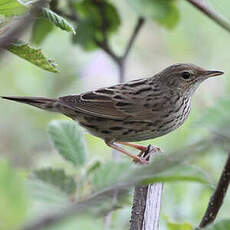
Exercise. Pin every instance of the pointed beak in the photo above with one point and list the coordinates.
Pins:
(212, 73)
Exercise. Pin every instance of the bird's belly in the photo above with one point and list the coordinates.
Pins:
(132, 130)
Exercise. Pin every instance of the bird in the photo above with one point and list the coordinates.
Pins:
(134, 111)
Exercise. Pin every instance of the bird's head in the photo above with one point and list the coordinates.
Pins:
(185, 77)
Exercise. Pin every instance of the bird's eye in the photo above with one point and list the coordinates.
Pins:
(186, 75)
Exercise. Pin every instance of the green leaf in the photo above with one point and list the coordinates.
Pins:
(46, 194)
(41, 28)
(33, 55)
(97, 18)
(58, 20)
(187, 173)
(13, 198)
(221, 225)
(68, 140)
(58, 178)
(164, 12)
(179, 226)
(109, 173)
(11, 8)
(136, 174)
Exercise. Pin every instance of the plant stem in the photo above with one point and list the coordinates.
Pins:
(147, 202)
(217, 198)
(211, 13)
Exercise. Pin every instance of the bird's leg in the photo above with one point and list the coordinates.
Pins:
(144, 150)
(118, 148)
(135, 146)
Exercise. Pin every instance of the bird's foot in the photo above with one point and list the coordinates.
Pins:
(144, 156)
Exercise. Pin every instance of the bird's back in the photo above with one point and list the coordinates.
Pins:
(127, 112)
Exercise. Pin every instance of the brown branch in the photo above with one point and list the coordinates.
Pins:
(147, 202)
(104, 44)
(211, 13)
(106, 48)
(122, 59)
(217, 198)
(138, 209)
(136, 30)
(16, 28)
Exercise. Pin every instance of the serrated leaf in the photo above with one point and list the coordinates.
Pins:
(58, 20)
(33, 55)
(164, 12)
(68, 140)
(58, 178)
(221, 225)
(41, 28)
(97, 18)
(11, 8)
(13, 198)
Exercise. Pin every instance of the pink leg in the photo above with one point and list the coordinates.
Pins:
(139, 147)
(135, 146)
(118, 148)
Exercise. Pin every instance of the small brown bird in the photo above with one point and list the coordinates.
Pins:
(134, 111)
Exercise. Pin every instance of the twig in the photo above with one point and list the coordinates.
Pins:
(122, 59)
(138, 209)
(136, 30)
(106, 48)
(17, 28)
(211, 13)
(146, 203)
(104, 44)
(217, 198)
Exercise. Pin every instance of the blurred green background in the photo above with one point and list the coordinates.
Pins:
(196, 39)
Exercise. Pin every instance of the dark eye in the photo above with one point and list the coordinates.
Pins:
(186, 75)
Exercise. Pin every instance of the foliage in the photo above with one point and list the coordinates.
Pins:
(97, 19)
(13, 198)
(67, 138)
(179, 226)
(164, 12)
(10, 8)
(221, 225)
(41, 29)
(58, 178)
(33, 55)
(57, 20)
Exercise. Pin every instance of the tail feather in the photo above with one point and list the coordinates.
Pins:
(40, 102)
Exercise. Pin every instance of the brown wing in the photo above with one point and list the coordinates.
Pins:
(117, 102)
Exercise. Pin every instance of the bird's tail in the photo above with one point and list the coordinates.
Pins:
(40, 102)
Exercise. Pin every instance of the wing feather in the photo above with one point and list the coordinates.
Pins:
(122, 101)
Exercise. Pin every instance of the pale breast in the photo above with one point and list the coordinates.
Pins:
(171, 118)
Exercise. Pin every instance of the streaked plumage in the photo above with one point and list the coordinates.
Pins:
(137, 110)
